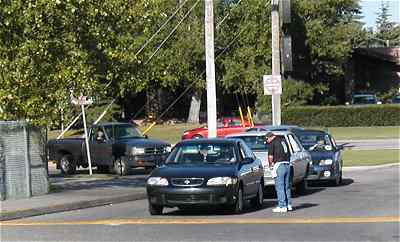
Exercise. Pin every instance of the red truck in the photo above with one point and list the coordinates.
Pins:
(226, 127)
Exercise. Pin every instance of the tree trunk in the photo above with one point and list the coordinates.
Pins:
(194, 111)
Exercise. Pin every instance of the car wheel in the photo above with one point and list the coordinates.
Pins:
(302, 187)
(338, 179)
(121, 167)
(67, 165)
(238, 206)
(155, 209)
(197, 136)
(257, 201)
(103, 169)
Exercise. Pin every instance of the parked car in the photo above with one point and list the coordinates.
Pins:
(113, 146)
(274, 128)
(207, 172)
(300, 158)
(396, 99)
(326, 156)
(226, 127)
(364, 98)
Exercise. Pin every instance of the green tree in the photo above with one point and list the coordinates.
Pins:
(386, 29)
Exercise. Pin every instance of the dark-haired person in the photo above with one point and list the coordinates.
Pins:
(279, 159)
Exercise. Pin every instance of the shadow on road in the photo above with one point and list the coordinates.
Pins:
(217, 211)
(326, 184)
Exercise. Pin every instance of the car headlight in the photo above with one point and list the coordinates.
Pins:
(326, 162)
(221, 181)
(157, 181)
(137, 151)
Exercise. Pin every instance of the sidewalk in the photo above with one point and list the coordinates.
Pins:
(77, 192)
(81, 191)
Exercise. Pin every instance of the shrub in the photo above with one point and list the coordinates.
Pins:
(343, 116)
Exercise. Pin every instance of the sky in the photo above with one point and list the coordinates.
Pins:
(370, 8)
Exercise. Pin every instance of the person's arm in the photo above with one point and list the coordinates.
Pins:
(270, 155)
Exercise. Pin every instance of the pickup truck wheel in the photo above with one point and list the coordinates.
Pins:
(155, 209)
(258, 200)
(67, 165)
(121, 167)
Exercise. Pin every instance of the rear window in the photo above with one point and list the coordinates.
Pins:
(255, 143)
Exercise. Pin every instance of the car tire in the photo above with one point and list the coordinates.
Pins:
(103, 169)
(258, 200)
(155, 209)
(302, 187)
(121, 167)
(338, 179)
(237, 208)
(67, 165)
(197, 136)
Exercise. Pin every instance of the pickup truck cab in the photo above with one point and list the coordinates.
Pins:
(113, 147)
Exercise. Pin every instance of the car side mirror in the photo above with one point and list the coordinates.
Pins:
(340, 147)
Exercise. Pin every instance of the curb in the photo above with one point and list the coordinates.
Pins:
(70, 206)
(362, 168)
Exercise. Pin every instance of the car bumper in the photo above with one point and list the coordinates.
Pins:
(171, 197)
(316, 173)
(147, 160)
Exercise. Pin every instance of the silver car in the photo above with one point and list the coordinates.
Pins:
(299, 159)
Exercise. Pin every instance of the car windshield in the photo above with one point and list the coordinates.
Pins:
(126, 131)
(364, 99)
(315, 141)
(215, 153)
(255, 143)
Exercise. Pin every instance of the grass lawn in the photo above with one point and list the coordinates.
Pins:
(370, 157)
(172, 133)
(376, 132)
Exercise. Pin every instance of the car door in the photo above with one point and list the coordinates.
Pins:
(337, 153)
(298, 158)
(100, 149)
(245, 171)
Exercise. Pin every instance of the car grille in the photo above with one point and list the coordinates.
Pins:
(188, 198)
(187, 182)
(155, 150)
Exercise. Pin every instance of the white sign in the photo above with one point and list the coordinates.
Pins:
(81, 100)
(272, 84)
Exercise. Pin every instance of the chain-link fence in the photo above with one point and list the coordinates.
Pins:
(23, 160)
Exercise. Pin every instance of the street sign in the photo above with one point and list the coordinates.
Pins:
(81, 100)
(272, 84)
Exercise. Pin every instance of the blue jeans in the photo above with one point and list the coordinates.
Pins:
(282, 186)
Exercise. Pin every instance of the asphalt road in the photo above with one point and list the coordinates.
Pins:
(371, 144)
(364, 208)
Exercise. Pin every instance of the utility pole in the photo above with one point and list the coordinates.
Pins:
(210, 69)
(276, 62)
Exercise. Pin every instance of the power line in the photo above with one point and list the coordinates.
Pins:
(172, 32)
(159, 29)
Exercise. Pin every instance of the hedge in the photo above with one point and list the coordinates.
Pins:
(343, 116)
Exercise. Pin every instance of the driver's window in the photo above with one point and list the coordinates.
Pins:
(295, 146)
(98, 135)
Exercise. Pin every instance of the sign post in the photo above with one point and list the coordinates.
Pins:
(82, 101)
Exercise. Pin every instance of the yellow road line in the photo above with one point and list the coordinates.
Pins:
(169, 221)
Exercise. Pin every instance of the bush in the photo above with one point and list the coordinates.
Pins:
(343, 116)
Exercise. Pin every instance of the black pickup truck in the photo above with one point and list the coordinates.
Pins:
(113, 147)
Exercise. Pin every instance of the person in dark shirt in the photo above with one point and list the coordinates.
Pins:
(279, 160)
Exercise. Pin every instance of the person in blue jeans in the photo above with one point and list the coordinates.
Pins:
(279, 160)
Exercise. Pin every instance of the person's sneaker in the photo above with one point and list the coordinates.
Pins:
(279, 210)
(289, 208)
